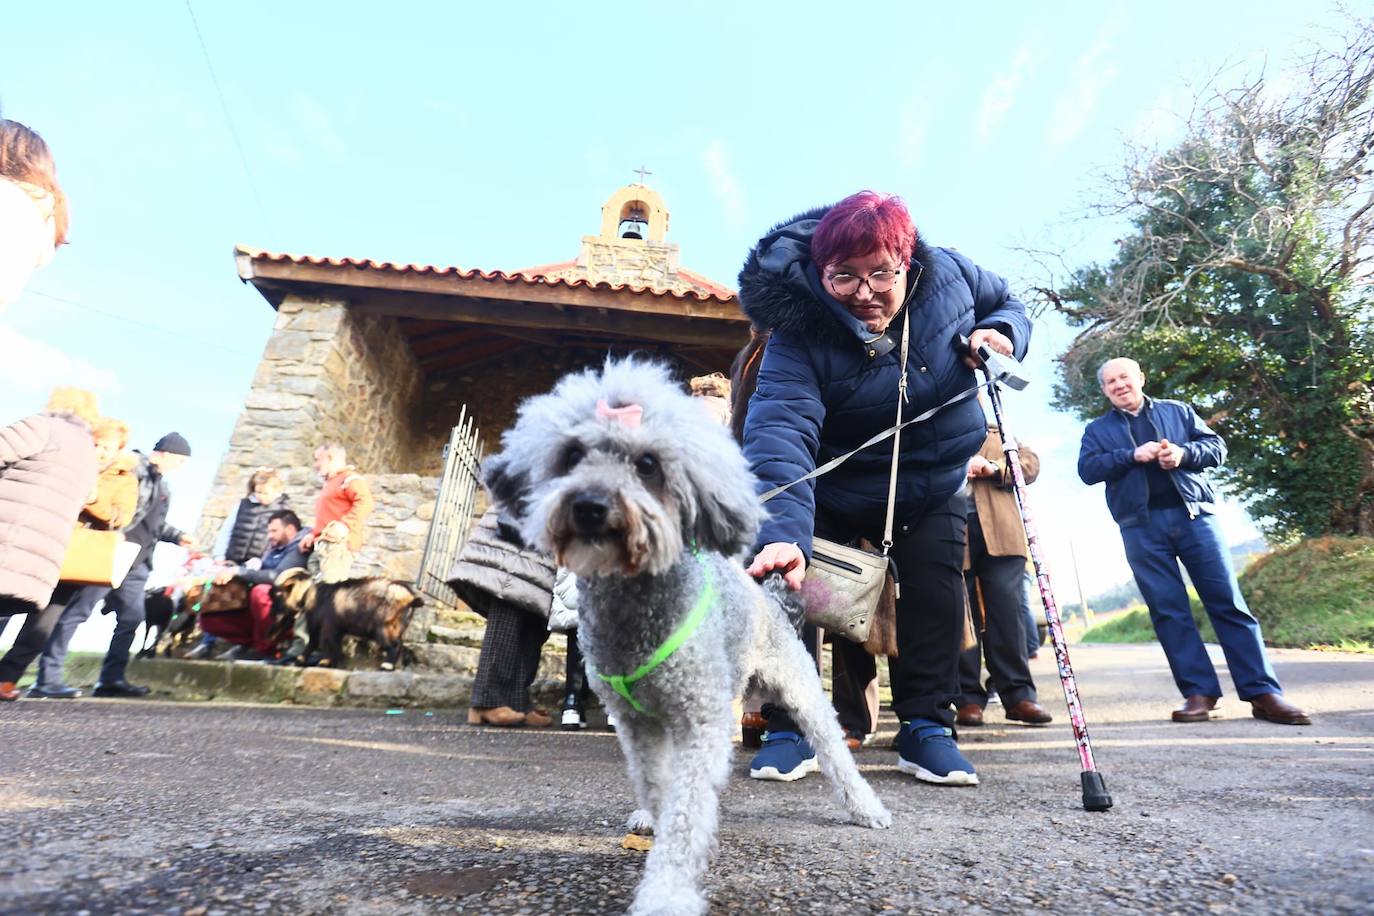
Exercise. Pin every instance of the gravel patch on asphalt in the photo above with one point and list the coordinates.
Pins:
(202, 809)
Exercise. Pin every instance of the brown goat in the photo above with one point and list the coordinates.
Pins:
(372, 608)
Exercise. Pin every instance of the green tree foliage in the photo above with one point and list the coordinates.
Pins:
(1244, 289)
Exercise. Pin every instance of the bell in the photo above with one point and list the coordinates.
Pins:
(633, 228)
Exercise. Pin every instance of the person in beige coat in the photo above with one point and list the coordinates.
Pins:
(110, 507)
(994, 572)
(47, 473)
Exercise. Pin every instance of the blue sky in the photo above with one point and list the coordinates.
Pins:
(488, 135)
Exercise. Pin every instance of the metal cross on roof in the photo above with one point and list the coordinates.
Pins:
(641, 172)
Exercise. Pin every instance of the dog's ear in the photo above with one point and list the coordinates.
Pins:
(724, 514)
(507, 485)
(725, 525)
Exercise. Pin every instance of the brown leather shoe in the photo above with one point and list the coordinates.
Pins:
(752, 725)
(8, 691)
(970, 715)
(1029, 712)
(1271, 707)
(1196, 708)
(502, 716)
(538, 718)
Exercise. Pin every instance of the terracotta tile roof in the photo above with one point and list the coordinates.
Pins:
(532, 277)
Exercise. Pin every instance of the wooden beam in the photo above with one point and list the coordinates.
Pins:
(475, 352)
(538, 316)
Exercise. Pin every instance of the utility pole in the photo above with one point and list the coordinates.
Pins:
(1082, 597)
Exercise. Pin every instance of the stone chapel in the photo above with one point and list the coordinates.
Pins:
(381, 357)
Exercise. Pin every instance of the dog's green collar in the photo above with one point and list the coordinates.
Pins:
(624, 684)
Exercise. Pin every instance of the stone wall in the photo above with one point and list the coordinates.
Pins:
(632, 261)
(493, 390)
(329, 374)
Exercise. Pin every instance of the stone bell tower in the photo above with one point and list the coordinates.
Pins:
(630, 249)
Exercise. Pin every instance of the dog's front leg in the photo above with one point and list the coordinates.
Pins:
(646, 745)
(789, 670)
(685, 831)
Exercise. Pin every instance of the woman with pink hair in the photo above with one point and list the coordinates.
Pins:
(833, 290)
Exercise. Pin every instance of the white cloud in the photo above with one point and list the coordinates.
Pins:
(33, 367)
(724, 184)
(1089, 75)
(1000, 95)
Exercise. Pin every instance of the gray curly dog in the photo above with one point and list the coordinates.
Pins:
(635, 487)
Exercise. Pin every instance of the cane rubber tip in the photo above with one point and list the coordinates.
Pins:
(1095, 797)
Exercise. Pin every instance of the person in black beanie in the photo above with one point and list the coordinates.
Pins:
(147, 528)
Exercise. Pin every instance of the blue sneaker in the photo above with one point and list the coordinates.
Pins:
(926, 750)
(785, 757)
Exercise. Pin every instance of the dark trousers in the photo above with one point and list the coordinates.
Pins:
(1000, 583)
(511, 649)
(1029, 616)
(125, 602)
(1154, 551)
(929, 555)
(575, 684)
(33, 635)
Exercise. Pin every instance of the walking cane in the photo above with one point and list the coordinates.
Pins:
(1000, 369)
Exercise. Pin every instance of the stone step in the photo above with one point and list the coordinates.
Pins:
(456, 636)
(412, 688)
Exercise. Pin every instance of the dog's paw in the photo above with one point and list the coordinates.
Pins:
(661, 899)
(874, 816)
(640, 822)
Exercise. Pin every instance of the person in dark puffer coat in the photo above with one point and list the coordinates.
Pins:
(512, 587)
(248, 533)
(831, 288)
(245, 538)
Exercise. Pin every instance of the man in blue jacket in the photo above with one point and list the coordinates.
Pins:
(250, 630)
(1152, 454)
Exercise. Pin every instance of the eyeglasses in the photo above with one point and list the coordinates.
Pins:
(880, 281)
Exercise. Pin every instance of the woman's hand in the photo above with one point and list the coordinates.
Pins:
(978, 466)
(995, 340)
(780, 557)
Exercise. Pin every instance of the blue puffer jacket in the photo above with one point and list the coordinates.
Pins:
(822, 390)
(1108, 453)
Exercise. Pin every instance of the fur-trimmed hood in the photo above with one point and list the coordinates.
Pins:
(825, 385)
(780, 288)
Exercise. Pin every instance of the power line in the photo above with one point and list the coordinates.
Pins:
(228, 119)
(143, 324)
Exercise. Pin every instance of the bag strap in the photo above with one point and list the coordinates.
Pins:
(897, 436)
(879, 437)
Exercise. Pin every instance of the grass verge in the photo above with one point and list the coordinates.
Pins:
(1317, 594)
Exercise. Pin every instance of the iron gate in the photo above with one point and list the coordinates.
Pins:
(453, 509)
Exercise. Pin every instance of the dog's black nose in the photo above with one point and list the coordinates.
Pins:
(589, 513)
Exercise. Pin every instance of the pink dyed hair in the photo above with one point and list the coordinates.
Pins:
(861, 224)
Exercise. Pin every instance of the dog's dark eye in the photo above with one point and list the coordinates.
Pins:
(646, 465)
(572, 457)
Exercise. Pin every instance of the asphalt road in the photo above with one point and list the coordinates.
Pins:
(129, 806)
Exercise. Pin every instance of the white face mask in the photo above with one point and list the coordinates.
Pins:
(27, 235)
